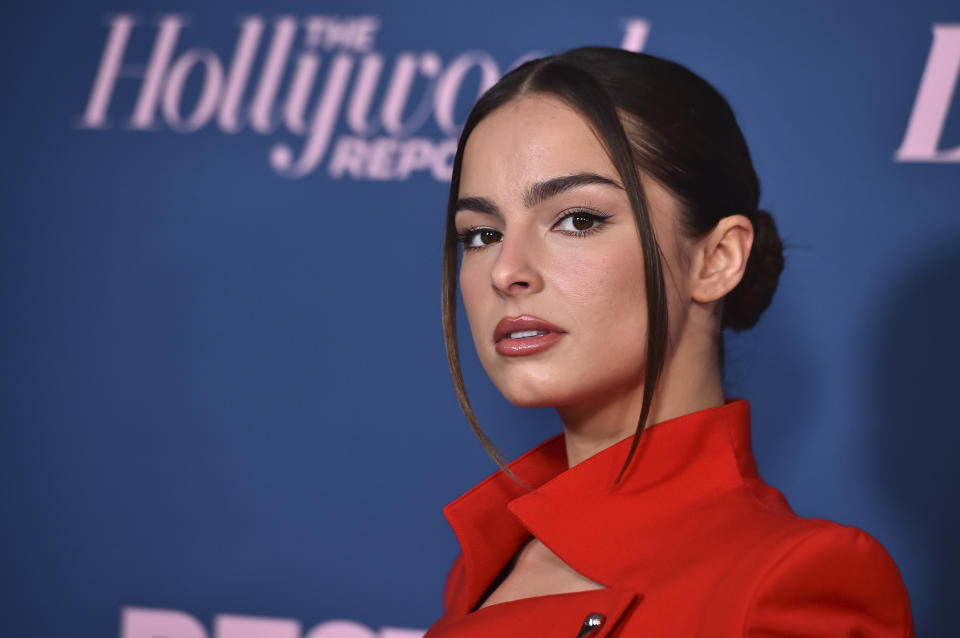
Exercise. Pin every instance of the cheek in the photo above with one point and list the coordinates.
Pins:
(606, 297)
(606, 289)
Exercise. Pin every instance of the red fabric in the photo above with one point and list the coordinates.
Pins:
(692, 543)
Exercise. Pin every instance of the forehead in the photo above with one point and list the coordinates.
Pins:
(529, 139)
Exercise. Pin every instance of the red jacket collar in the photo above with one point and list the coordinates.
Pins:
(677, 463)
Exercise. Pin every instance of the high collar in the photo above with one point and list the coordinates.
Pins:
(678, 462)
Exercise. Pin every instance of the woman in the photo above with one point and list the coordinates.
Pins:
(606, 206)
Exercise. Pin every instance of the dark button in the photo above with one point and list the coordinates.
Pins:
(590, 624)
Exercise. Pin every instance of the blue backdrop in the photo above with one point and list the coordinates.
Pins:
(226, 410)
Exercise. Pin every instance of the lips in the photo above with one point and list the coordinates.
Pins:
(524, 335)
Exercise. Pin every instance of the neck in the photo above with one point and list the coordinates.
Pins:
(686, 385)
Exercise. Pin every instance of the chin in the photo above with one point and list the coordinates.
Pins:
(531, 402)
(535, 395)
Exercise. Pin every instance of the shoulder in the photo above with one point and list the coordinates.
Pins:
(827, 579)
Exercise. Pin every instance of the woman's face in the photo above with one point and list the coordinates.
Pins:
(552, 274)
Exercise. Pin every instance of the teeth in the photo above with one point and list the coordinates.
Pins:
(523, 334)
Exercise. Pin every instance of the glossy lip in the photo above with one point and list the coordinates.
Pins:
(506, 346)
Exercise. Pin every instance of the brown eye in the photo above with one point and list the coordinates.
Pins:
(479, 237)
(488, 236)
(581, 222)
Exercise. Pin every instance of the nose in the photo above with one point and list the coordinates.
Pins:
(515, 271)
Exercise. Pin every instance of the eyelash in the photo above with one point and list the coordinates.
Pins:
(599, 220)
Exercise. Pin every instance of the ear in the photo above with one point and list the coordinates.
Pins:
(720, 258)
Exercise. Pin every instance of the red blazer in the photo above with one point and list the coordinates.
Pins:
(692, 543)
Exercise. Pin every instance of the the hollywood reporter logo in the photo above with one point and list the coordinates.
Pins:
(317, 73)
(932, 105)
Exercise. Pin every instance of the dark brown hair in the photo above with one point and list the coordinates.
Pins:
(660, 118)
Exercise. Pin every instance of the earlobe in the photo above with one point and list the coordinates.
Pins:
(721, 258)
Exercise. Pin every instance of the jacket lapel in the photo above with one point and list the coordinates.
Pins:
(489, 534)
(586, 520)
(556, 615)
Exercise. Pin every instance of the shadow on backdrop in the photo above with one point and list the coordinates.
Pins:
(913, 384)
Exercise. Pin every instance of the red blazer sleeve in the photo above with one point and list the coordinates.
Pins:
(836, 581)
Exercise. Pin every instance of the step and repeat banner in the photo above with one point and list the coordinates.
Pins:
(226, 411)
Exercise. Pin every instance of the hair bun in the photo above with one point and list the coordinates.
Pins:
(746, 302)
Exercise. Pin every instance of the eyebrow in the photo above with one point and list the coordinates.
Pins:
(537, 193)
